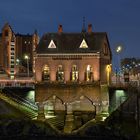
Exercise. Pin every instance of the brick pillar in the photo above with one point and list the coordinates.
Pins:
(38, 75)
(96, 70)
(52, 73)
(41, 115)
(67, 71)
(38, 72)
(81, 73)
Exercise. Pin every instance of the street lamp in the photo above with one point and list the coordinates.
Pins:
(118, 51)
(17, 60)
(27, 58)
(17, 65)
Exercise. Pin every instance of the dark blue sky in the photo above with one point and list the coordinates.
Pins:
(119, 18)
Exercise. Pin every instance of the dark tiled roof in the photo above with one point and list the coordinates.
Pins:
(23, 35)
(70, 42)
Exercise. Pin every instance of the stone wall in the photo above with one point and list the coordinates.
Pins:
(70, 93)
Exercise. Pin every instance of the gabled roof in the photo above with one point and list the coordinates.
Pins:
(8, 25)
(70, 42)
(23, 35)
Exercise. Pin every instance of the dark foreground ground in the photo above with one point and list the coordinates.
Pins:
(14, 125)
(59, 138)
(34, 130)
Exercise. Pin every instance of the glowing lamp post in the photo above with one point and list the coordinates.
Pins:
(108, 70)
(17, 65)
(17, 60)
(26, 57)
(118, 51)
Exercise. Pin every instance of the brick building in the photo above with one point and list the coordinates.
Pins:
(131, 66)
(13, 48)
(74, 67)
(76, 57)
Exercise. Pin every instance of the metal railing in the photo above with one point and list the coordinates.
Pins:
(3, 85)
(20, 100)
(20, 106)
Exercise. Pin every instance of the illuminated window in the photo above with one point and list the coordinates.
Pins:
(60, 73)
(12, 66)
(74, 73)
(89, 74)
(12, 57)
(46, 73)
(12, 77)
(83, 44)
(52, 45)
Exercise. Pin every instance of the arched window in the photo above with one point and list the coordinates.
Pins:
(74, 73)
(89, 73)
(60, 73)
(46, 73)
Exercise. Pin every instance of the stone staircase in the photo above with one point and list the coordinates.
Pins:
(29, 109)
(57, 122)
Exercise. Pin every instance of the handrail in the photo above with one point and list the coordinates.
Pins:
(26, 85)
(27, 103)
(22, 103)
(17, 104)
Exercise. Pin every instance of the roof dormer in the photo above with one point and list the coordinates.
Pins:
(83, 44)
(52, 44)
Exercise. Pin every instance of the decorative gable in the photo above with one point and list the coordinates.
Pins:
(52, 44)
(83, 44)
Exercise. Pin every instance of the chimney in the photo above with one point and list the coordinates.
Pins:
(90, 28)
(60, 29)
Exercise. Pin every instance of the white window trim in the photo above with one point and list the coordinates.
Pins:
(52, 44)
(83, 42)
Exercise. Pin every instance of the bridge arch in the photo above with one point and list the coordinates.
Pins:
(53, 105)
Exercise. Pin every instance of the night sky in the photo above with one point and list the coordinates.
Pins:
(119, 18)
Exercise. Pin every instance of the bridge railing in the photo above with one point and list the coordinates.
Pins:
(12, 84)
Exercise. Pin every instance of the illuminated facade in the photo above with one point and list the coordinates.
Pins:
(13, 48)
(73, 57)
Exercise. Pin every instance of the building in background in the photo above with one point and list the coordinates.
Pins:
(131, 66)
(13, 49)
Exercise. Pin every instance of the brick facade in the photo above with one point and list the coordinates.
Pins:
(93, 61)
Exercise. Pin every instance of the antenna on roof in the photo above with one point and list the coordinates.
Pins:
(84, 27)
